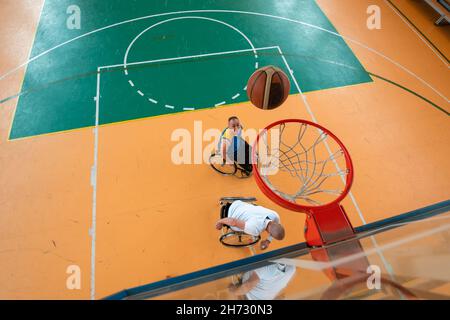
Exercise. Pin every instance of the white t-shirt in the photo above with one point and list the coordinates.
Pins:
(272, 279)
(256, 217)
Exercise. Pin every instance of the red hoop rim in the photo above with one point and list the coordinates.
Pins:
(280, 200)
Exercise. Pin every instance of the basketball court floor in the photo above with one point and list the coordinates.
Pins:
(90, 117)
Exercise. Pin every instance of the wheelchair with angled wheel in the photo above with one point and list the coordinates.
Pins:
(230, 237)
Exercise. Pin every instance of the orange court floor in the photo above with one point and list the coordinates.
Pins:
(155, 219)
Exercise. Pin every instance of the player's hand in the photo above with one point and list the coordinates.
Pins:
(219, 225)
(265, 244)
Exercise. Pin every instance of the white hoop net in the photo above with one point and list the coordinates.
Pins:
(302, 164)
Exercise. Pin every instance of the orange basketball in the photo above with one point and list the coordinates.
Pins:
(268, 88)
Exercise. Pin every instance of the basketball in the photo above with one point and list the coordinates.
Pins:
(268, 88)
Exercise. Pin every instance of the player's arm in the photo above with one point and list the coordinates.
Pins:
(231, 222)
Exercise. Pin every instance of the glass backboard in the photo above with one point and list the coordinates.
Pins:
(404, 257)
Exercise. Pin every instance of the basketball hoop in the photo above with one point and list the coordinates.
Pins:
(304, 167)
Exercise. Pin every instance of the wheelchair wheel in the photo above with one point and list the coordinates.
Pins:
(216, 162)
(243, 174)
(238, 239)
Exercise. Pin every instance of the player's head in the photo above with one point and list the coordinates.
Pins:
(233, 122)
(276, 230)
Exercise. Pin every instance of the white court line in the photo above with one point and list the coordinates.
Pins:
(188, 109)
(152, 100)
(125, 60)
(417, 33)
(187, 57)
(94, 173)
(235, 96)
(34, 38)
(229, 11)
(168, 106)
(125, 66)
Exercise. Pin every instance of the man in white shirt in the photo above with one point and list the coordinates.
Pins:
(251, 219)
